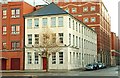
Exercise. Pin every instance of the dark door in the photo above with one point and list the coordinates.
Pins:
(3, 64)
(44, 63)
(15, 64)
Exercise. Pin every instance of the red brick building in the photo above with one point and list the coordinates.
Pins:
(115, 44)
(13, 34)
(95, 15)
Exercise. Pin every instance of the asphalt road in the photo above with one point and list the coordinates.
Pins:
(111, 71)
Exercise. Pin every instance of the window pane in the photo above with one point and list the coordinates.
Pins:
(4, 45)
(36, 58)
(73, 9)
(29, 58)
(44, 22)
(53, 58)
(15, 45)
(36, 22)
(53, 21)
(4, 30)
(60, 57)
(92, 8)
(29, 38)
(36, 38)
(60, 21)
(17, 11)
(60, 37)
(93, 19)
(85, 9)
(15, 29)
(4, 13)
(85, 19)
(29, 23)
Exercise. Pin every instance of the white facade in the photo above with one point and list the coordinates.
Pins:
(77, 52)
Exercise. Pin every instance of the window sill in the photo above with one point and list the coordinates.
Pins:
(15, 17)
(15, 34)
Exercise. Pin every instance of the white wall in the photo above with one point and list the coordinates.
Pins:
(88, 35)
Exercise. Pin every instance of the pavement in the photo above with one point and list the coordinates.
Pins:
(33, 71)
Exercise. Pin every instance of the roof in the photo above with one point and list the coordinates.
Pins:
(51, 9)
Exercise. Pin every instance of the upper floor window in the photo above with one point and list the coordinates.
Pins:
(93, 19)
(36, 23)
(60, 21)
(15, 45)
(4, 13)
(29, 38)
(61, 37)
(74, 10)
(92, 8)
(53, 21)
(67, 10)
(85, 19)
(4, 30)
(85, 9)
(77, 41)
(73, 25)
(15, 13)
(70, 39)
(36, 38)
(15, 29)
(76, 26)
(69, 23)
(44, 22)
(73, 40)
(4, 45)
(29, 23)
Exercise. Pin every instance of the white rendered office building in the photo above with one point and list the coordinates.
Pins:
(79, 41)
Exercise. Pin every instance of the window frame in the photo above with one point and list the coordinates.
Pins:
(74, 10)
(15, 29)
(36, 23)
(29, 23)
(15, 45)
(29, 56)
(92, 8)
(15, 12)
(86, 21)
(53, 58)
(29, 39)
(61, 58)
(4, 13)
(4, 30)
(53, 21)
(85, 9)
(60, 22)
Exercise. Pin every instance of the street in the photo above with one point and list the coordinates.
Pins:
(110, 71)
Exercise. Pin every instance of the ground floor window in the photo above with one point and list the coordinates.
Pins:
(29, 58)
(36, 58)
(53, 58)
(60, 57)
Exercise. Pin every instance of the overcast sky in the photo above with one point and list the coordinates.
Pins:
(111, 5)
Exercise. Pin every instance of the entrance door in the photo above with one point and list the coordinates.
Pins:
(44, 63)
(3, 64)
(15, 64)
